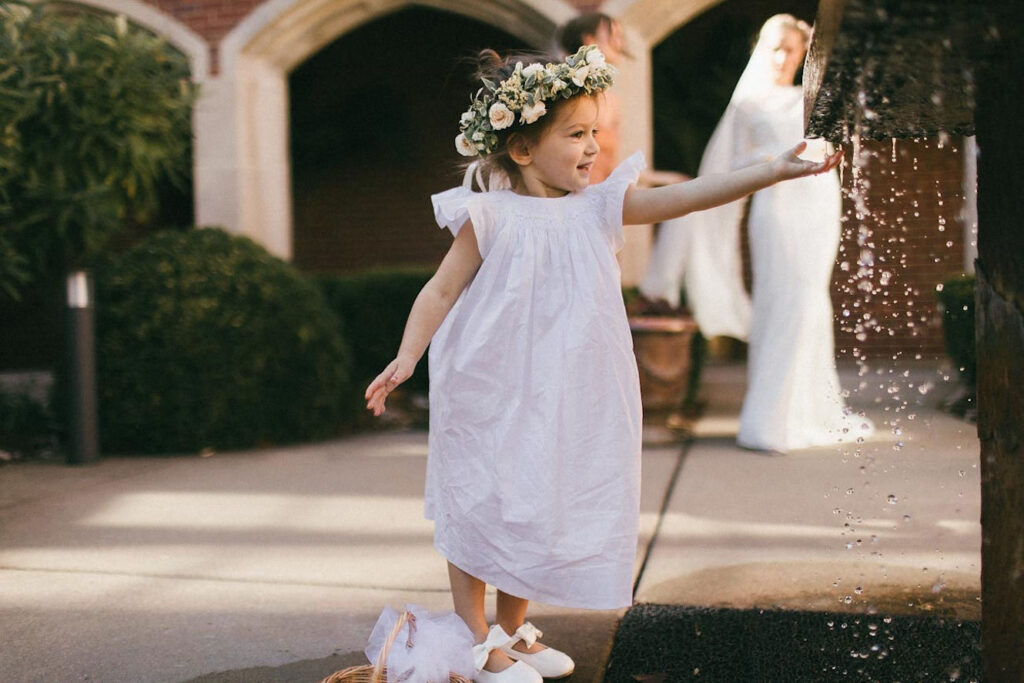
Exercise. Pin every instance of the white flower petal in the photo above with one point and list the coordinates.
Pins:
(501, 116)
(464, 146)
(533, 112)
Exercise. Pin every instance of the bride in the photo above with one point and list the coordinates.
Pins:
(793, 397)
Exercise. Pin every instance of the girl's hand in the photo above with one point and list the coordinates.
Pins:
(394, 374)
(790, 165)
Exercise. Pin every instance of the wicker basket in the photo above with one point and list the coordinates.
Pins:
(368, 673)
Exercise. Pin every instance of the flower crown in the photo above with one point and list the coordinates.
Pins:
(494, 107)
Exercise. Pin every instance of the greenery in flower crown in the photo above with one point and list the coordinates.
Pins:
(495, 107)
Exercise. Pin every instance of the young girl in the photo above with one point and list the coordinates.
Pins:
(535, 422)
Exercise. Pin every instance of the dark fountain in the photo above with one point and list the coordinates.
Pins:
(881, 69)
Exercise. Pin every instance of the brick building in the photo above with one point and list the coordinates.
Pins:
(323, 125)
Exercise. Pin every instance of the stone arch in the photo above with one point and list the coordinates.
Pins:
(243, 179)
(286, 32)
(183, 38)
(652, 20)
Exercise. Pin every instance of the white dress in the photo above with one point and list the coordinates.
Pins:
(793, 395)
(533, 474)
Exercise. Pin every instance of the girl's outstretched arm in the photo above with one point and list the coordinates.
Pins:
(651, 205)
(428, 312)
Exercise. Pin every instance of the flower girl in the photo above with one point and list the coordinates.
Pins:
(533, 474)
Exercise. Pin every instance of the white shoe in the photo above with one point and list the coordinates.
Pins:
(517, 673)
(549, 662)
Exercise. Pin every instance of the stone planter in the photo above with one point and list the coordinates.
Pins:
(662, 348)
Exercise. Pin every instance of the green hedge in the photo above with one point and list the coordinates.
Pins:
(206, 340)
(956, 299)
(373, 307)
(26, 427)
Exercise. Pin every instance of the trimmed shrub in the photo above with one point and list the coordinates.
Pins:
(206, 340)
(956, 299)
(373, 306)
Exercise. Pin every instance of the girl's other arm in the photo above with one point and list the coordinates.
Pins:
(432, 304)
(651, 205)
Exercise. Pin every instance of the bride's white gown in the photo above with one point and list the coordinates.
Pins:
(793, 395)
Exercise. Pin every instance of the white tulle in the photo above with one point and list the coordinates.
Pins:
(439, 644)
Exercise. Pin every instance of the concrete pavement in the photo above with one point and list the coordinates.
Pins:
(273, 565)
(891, 524)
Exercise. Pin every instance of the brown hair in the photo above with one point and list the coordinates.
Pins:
(570, 35)
(495, 68)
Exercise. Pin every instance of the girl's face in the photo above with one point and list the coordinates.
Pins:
(788, 56)
(560, 161)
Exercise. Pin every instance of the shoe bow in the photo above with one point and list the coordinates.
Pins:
(496, 638)
(528, 633)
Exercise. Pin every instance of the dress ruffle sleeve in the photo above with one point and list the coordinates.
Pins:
(613, 190)
(455, 207)
(452, 208)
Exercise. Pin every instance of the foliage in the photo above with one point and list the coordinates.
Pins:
(956, 299)
(373, 307)
(26, 427)
(524, 92)
(94, 116)
(205, 340)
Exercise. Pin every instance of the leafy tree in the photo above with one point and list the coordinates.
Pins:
(94, 114)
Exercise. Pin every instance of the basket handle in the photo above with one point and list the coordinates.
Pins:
(382, 658)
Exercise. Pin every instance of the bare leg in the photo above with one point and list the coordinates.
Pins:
(468, 598)
(511, 615)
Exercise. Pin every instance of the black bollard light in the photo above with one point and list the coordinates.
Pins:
(83, 442)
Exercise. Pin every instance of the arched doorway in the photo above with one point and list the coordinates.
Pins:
(373, 117)
(243, 170)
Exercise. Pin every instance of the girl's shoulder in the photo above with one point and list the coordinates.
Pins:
(624, 174)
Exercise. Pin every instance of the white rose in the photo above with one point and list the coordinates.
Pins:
(465, 147)
(467, 117)
(533, 112)
(579, 76)
(534, 69)
(595, 58)
(501, 116)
